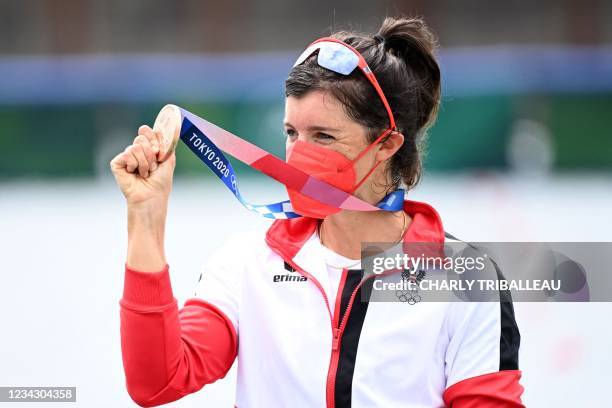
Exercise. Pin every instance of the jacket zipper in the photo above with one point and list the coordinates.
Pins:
(337, 338)
(335, 353)
(337, 329)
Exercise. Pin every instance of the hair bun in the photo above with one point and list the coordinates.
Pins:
(410, 40)
(378, 39)
(407, 34)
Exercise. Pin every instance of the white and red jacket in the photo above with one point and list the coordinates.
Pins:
(263, 300)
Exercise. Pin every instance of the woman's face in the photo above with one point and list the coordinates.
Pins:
(319, 118)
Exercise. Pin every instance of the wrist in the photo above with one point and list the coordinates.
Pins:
(146, 226)
(147, 215)
(146, 229)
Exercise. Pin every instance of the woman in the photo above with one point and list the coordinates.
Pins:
(287, 304)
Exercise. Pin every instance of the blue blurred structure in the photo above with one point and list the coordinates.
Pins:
(132, 78)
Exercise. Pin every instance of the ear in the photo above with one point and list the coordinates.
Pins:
(391, 145)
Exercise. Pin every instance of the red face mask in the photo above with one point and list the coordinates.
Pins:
(328, 166)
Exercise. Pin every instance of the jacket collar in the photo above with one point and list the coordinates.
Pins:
(287, 237)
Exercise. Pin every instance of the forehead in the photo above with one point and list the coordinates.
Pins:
(316, 107)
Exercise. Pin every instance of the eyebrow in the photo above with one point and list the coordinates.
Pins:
(315, 128)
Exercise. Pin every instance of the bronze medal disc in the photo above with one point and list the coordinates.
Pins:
(167, 128)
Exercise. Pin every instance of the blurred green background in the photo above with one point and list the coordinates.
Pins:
(526, 86)
(60, 141)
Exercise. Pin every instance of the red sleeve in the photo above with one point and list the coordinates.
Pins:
(169, 353)
(494, 390)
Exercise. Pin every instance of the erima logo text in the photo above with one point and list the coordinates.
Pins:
(292, 276)
(289, 278)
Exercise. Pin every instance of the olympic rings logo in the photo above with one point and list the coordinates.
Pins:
(407, 297)
(411, 297)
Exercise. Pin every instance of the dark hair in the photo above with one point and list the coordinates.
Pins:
(401, 55)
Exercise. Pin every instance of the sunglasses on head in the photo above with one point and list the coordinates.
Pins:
(341, 58)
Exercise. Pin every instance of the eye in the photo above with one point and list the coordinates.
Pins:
(324, 137)
(290, 133)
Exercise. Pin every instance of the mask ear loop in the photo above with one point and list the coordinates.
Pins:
(366, 177)
(360, 155)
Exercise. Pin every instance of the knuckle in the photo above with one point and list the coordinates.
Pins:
(149, 152)
(142, 160)
(142, 144)
(147, 132)
(143, 150)
(137, 150)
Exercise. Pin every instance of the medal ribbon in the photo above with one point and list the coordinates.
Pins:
(209, 141)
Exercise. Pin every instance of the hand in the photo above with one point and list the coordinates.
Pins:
(143, 180)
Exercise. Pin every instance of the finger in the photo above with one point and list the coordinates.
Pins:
(151, 135)
(143, 164)
(134, 162)
(131, 163)
(118, 162)
(150, 153)
(148, 140)
(142, 139)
